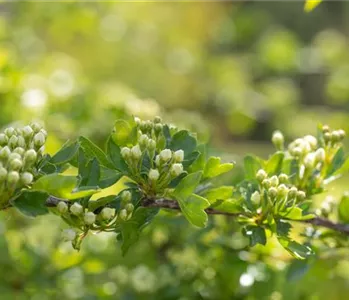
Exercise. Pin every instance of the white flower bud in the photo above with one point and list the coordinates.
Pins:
(165, 155)
(15, 164)
(158, 128)
(19, 150)
(309, 160)
(320, 155)
(21, 142)
(62, 207)
(5, 152)
(3, 174)
(301, 195)
(14, 155)
(297, 151)
(341, 133)
(68, 234)
(123, 214)
(256, 198)
(143, 140)
(137, 121)
(311, 140)
(27, 178)
(3, 139)
(176, 170)
(274, 181)
(126, 196)
(44, 132)
(153, 174)
(261, 175)
(10, 131)
(27, 131)
(282, 190)
(39, 139)
(157, 119)
(36, 127)
(12, 177)
(278, 140)
(76, 209)
(129, 207)
(30, 156)
(151, 144)
(125, 152)
(283, 178)
(292, 193)
(178, 156)
(136, 152)
(12, 142)
(107, 213)
(272, 192)
(89, 218)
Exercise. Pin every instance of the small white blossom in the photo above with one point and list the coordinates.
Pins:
(320, 154)
(89, 218)
(76, 209)
(261, 175)
(126, 196)
(27, 178)
(274, 180)
(311, 140)
(256, 198)
(153, 174)
(176, 170)
(125, 152)
(39, 139)
(107, 213)
(178, 156)
(136, 152)
(62, 207)
(165, 155)
(278, 139)
(12, 177)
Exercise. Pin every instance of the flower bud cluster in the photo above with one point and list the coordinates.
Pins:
(327, 207)
(20, 150)
(277, 188)
(332, 137)
(165, 164)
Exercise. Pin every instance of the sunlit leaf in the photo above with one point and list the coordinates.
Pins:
(256, 235)
(214, 167)
(311, 4)
(297, 250)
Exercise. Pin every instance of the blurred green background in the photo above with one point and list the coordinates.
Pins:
(231, 71)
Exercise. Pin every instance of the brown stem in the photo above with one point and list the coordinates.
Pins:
(172, 204)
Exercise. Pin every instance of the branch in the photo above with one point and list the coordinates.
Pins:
(172, 204)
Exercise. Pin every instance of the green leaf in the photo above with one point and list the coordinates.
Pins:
(311, 4)
(192, 206)
(297, 250)
(184, 141)
(283, 228)
(255, 234)
(214, 167)
(130, 230)
(122, 133)
(66, 153)
(343, 169)
(108, 177)
(220, 193)
(274, 163)
(62, 186)
(93, 205)
(337, 162)
(31, 203)
(252, 164)
(199, 163)
(295, 213)
(297, 269)
(114, 154)
(232, 206)
(93, 151)
(343, 208)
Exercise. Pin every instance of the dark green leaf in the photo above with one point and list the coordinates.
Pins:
(108, 177)
(255, 234)
(184, 141)
(114, 154)
(93, 151)
(297, 269)
(337, 162)
(31, 203)
(131, 229)
(343, 208)
(93, 205)
(297, 250)
(283, 228)
(66, 153)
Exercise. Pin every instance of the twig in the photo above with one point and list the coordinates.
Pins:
(172, 204)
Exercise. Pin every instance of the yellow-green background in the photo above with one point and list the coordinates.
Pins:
(231, 71)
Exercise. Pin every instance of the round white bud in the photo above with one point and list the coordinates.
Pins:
(107, 213)
(21, 142)
(143, 140)
(157, 120)
(151, 144)
(320, 155)
(39, 139)
(76, 209)
(153, 174)
(5, 152)
(176, 170)
(3, 174)
(89, 218)
(68, 234)
(125, 152)
(311, 140)
(157, 160)
(12, 142)
(36, 127)
(10, 131)
(27, 178)
(62, 207)
(309, 160)
(256, 198)
(282, 190)
(123, 214)
(19, 150)
(278, 139)
(261, 175)
(27, 131)
(136, 152)
(165, 155)
(30, 156)
(301, 195)
(3, 139)
(274, 181)
(129, 207)
(178, 156)
(15, 164)
(126, 196)
(12, 177)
